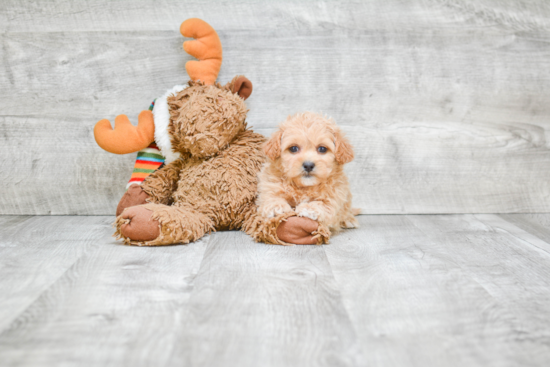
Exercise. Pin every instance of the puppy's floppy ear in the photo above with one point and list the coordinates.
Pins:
(343, 149)
(272, 147)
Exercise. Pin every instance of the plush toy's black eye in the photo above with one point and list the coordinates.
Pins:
(322, 150)
(294, 149)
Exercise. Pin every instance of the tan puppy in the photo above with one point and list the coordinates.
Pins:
(305, 172)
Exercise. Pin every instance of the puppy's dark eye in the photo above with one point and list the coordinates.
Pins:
(294, 149)
(322, 150)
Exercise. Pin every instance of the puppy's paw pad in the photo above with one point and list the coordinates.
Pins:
(308, 213)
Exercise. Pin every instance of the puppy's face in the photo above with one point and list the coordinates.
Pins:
(308, 147)
(307, 154)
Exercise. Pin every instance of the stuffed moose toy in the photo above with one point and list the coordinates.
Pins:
(208, 180)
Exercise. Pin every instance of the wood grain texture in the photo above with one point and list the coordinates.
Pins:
(265, 305)
(35, 252)
(109, 304)
(250, 304)
(445, 291)
(444, 100)
(536, 224)
(436, 290)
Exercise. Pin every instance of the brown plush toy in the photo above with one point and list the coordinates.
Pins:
(209, 181)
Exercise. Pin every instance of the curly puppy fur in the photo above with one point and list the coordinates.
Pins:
(213, 185)
(305, 172)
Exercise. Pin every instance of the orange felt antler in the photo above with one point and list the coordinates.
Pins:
(125, 138)
(206, 47)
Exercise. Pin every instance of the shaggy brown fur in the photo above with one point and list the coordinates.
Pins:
(213, 185)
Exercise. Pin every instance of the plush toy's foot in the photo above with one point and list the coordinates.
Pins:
(298, 230)
(158, 224)
(132, 197)
(139, 224)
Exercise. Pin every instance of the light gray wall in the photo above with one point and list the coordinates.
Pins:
(446, 102)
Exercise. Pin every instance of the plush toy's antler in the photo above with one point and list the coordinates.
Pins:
(206, 47)
(125, 138)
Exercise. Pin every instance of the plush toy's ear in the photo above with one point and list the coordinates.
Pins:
(242, 86)
(272, 147)
(343, 149)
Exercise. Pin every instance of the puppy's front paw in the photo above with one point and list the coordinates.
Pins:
(350, 222)
(273, 210)
(304, 210)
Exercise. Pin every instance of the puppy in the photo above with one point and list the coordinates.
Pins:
(305, 172)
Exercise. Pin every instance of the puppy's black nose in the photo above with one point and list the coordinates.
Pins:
(308, 166)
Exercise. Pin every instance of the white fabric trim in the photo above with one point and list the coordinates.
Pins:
(162, 120)
(150, 150)
(132, 183)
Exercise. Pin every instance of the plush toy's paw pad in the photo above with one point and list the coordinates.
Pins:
(140, 226)
(271, 211)
(132, 197)
(350, 223)
(298, 230)
(307, 212)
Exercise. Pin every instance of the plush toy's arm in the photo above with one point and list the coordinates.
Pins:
(162, 183)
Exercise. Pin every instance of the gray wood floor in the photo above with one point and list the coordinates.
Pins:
(410, 290)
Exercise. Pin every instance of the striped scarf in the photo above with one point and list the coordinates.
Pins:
(148, 161)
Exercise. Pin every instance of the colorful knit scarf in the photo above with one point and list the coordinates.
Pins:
(148, 161)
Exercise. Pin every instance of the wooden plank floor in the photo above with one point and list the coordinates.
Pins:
(410, 290)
